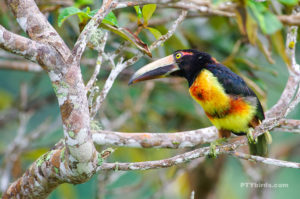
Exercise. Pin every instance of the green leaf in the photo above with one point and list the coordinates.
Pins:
(87, 10)
(289, 2)
(65, 13)
(109, 22)
(84, 15)
(129, 36)
(271, 24)
(156, 33)
(93, 12)
(267, 21)
(148, 11)
(138, 11)
(110, 18)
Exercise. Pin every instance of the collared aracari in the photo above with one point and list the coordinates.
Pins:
(230, 105)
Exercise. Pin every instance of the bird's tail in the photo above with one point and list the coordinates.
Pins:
(261, 147)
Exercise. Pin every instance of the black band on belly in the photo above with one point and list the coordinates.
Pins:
(218, 114)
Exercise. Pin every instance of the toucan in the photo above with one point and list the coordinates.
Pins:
(230, 105)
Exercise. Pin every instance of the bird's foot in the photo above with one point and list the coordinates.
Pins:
(250, 137)
(212, 149)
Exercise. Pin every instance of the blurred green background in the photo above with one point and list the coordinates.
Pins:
(165, 106)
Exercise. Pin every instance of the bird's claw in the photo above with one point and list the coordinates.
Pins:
(250, 136)
(212, 149)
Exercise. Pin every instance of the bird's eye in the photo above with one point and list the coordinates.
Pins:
(178, 55)
(200, 57)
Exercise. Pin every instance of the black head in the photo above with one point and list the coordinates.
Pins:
(183, 63)
(190, 63)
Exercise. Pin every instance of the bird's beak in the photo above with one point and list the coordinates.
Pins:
(157, 69)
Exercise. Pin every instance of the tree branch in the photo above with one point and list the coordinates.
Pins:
(35, 51)
(35, 24)
(191, 155)
(156, 140)
(269, 161)
(20, 65)
(178, 159)
(205, 8)
(98, 63)
(290, 19)
(122, 65)
(173, 140)
(88, 29)
(274, 117)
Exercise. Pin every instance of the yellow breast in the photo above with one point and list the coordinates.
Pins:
(235, 113)
(208, 92)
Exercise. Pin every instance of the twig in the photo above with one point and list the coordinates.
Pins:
(22, 142)
(199, 6)
(188, 156)
(290, 19)
(192, 195)
(98, 63)
(88, 29)
(10, 157)
(291, 41)
(122, 118)
(269, 161)
(178, 159)
(122, 65)
(202, 8)
(20, 65)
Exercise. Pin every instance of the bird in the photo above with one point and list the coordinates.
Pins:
(228, 102)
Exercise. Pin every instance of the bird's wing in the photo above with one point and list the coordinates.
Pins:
(234, 85)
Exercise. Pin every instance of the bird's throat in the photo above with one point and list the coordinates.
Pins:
(208, 92)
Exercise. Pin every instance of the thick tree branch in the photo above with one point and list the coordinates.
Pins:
(35, 51)
(40, 179)
(156, 140)
(77, 160)
(35, 24)
(173, 140)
